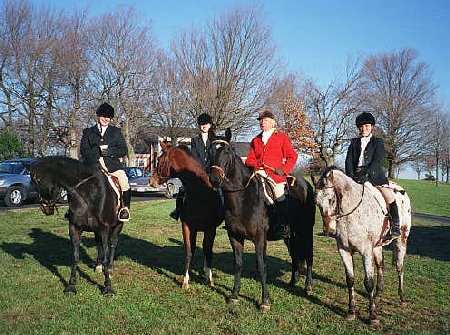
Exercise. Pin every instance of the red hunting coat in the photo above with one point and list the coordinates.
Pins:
(277, 153)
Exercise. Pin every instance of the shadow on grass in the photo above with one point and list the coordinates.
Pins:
(430, 241)
(50, 251)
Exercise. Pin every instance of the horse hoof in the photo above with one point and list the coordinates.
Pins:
(70, 290)
(98, 269)
(108, 292)
(308, 289)
(210, 283)
(350, 317)
(375, 323)
(403, 304)
(233, 301)
(264, 307)
(185, 286)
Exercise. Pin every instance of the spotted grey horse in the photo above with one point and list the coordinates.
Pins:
(356, 215)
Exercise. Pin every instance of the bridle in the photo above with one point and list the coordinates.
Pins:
(222, 176)
(336, 215)
(163, 167)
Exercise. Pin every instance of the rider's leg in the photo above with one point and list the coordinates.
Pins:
(125, 200)
(389, 197)
(176, 213)
(282, 230)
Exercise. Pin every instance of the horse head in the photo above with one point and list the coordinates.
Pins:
(223, 160)
(48, 190)
(326, 199)
(162, 168)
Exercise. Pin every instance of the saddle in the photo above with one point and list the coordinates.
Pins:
(114, 182)
(269, 190)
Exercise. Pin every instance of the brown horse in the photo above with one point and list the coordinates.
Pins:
(202, 205)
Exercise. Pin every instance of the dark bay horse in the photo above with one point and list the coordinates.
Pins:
(247, 217)
(202, 205)
(356, 215)
(93, 206)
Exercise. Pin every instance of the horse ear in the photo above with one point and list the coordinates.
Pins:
(164, 145)
(211, 135)
(315, 180)
(228, 135)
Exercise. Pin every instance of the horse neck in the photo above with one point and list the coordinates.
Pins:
(190, 172)
(350, 192)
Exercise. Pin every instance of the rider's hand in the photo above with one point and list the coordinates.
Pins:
(279, 171)
(106, 152)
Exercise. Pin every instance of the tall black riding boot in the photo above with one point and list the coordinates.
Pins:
(394, 232)
(176, 213)
(124, 212)
(282, 230)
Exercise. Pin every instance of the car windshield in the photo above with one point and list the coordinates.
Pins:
(11, 167)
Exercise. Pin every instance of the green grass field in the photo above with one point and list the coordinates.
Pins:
(34, 259)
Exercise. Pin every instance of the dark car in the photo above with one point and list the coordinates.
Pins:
(138, 180)
(15, 182)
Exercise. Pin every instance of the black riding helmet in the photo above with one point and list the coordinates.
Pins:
(365, 118)
(106, 110)
(204, 119)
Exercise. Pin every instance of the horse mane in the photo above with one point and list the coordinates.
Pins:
(55, 164)
(194, 166)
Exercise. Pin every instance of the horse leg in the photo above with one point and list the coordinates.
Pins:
(260, 248)
(75, 236)
(347, 258)
(238, 248)
(113, 240)
(104, 234)
(309, 256)
(187, 238)
(208, 242)
(98, 265)
(369, 285)
(379, 263)
(398, 257)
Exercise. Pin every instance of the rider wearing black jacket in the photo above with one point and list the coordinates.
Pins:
(363, 163)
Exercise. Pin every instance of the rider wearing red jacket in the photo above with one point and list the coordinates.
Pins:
(271, 154)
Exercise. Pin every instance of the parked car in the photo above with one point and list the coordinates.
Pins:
(139, 183)
(15, 183)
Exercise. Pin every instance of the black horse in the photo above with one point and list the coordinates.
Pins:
(93, 206)
(247, 216)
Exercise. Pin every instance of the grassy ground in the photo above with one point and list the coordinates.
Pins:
(34, 259)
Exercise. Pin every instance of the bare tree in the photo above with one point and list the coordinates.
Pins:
(287, 103)
(122, 59)
(400, 91)
(71, 54)
(332, 111)
(228, 67)
(168, 103)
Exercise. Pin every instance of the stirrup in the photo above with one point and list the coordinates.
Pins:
(124, 214)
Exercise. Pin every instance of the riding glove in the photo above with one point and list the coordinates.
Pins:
(106, 152)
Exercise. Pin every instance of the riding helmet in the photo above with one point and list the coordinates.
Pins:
(204, 119)
(265, 114)
(106, 110)
(365, 118)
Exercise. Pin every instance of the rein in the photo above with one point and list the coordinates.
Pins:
(339, 216)
(224, 177)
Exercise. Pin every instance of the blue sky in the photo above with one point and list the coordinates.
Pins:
(315, 37)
